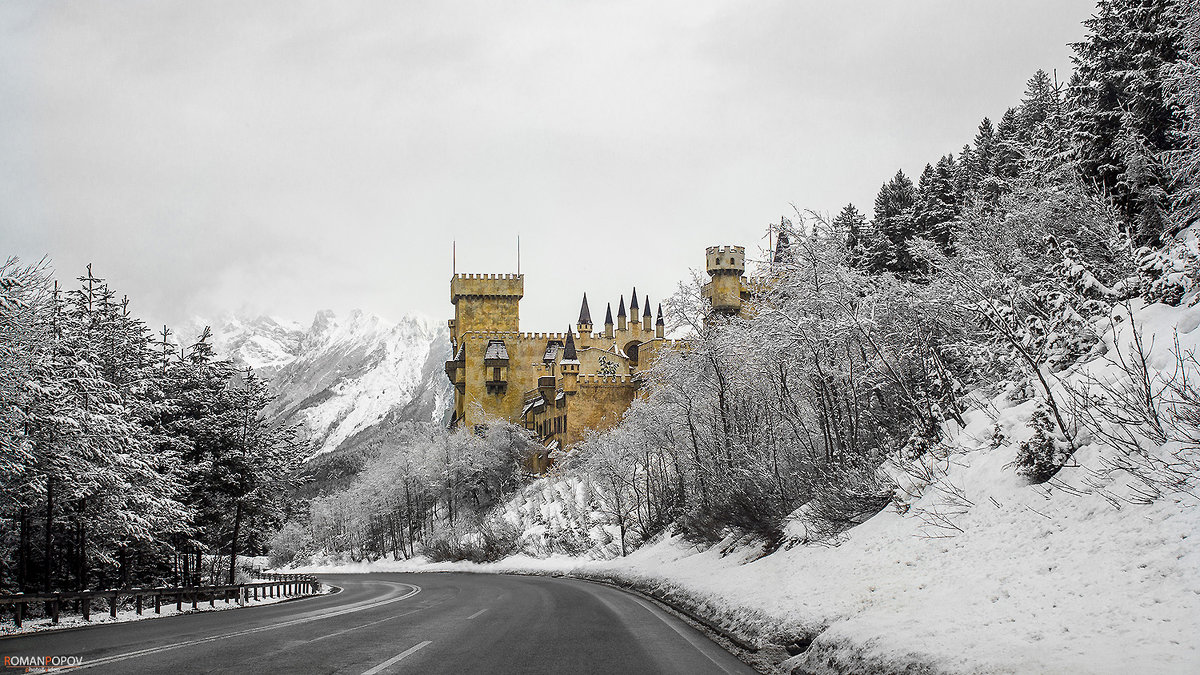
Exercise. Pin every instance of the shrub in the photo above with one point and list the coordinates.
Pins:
(489, 540)
(1040, 457)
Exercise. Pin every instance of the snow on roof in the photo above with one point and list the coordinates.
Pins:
(552, 348)
(495, 350)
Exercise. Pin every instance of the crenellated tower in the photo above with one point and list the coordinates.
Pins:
(485, 302)
(727, 289)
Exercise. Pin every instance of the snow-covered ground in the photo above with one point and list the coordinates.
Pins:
(975, 570)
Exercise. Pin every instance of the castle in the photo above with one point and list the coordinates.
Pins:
(562, 385)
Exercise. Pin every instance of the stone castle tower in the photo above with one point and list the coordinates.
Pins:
(561, 385)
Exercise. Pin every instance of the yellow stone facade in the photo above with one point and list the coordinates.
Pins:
(561, 385)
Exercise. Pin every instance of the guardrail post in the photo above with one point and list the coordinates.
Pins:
(179, 601)
(195, 597)
(212, 599)
(86, 605)
(112, 606)
(256, 593)
(54, 611)
(158, 603)
(20, 613)
(138, 600)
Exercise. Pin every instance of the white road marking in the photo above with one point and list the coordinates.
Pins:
(701, 646)
(477, 614)
(293, 622)
(394, 659)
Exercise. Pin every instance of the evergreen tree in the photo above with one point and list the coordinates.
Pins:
(1009, 150)
(938, 202)
(894, 221)
(1119, 111)
(852, 225)
(1041, 125)
(1181, 82)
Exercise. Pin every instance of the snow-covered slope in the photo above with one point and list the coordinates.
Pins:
(974, 569)
(345, 379)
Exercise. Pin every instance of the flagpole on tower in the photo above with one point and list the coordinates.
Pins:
(453, 258)
(518, 255)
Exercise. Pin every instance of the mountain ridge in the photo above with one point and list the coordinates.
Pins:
(344, 380)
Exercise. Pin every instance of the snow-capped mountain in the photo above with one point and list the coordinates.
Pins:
(264, 343)
(345, 379)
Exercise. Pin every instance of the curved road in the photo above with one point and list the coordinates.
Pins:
(406, 623)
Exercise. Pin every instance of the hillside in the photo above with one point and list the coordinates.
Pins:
(971, 569)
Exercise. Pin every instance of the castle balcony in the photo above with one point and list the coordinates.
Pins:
(495, 362)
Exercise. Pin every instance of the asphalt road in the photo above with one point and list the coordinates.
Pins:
(406, 623)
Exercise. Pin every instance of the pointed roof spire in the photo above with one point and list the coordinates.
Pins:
(569, 351)
(646, 314)
(585, 314)
(633, 306)
(621, 309)
(659, 322)
(608, 316)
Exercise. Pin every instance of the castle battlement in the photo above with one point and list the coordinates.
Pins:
(728, 250)
(498, 277)
(601, 380)
(487, 285)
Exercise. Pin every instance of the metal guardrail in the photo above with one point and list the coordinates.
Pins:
(277, 585)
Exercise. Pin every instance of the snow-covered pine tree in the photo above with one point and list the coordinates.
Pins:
(894, 220)
(852, 225)
(1117, 90)
(937, 204)
(1181, 84)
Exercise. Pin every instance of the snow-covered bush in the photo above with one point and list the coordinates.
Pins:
(487, 540)
(1041, 456)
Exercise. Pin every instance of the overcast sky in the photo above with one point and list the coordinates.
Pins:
(284, 157)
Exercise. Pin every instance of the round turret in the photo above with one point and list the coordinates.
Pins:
(726, 260)
(726, 265)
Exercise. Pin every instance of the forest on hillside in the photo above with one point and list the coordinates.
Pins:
(873, 331)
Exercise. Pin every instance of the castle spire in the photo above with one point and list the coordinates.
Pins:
(659, 322)
(608, 316)
(647, 317)
(647, 313)
(633, 304)
(660, 328)
(585, 314)
(621, 309)
(569, 355)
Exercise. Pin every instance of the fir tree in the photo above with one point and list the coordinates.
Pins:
(852, 225)
(1117, 91)
(894, 221)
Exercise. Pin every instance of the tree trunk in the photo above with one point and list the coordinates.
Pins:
(237, 531)
(48, 560)
(23, 564)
